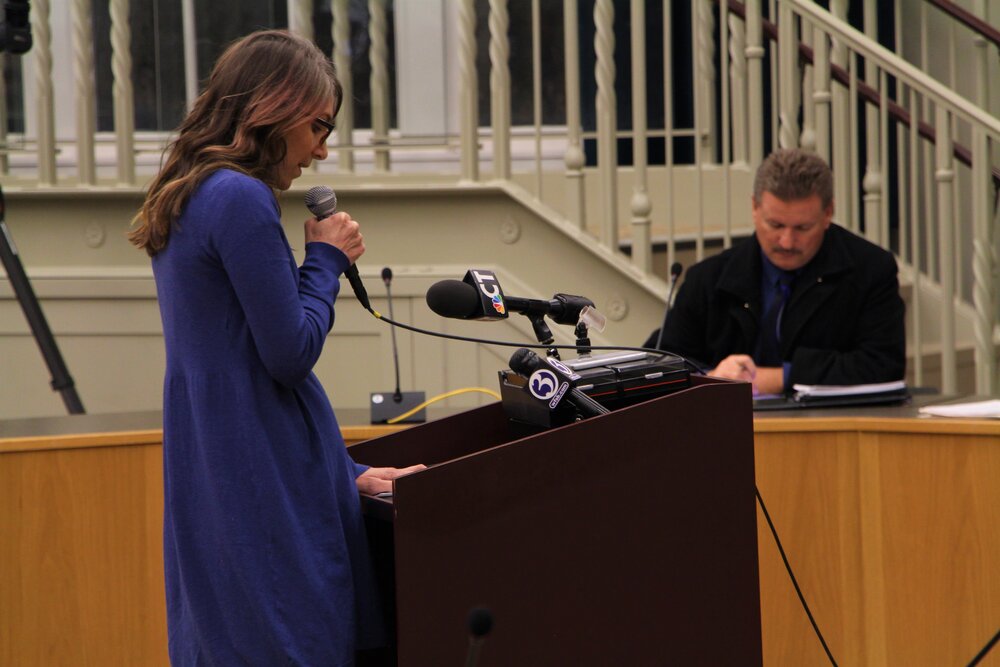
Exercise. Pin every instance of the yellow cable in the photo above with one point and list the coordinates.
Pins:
(447, 394)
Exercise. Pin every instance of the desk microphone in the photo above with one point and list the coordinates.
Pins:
(322, 202)
(385, 405)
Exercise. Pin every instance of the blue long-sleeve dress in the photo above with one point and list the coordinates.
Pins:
(266, 561)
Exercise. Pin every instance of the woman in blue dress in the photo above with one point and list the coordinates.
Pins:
(265, 555)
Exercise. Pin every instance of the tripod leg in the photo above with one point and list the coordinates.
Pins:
(61, 379)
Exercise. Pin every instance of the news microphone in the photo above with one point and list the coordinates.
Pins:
(675, 272)
(479, 297)
(550, 380)
(322, 202)
(480, 623)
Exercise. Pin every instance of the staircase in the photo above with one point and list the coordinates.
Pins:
(568, 152)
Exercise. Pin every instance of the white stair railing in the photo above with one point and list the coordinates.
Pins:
(931, 199)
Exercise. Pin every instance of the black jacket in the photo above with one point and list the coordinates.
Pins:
(843, 323)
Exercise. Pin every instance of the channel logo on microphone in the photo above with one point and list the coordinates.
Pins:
(489, 288)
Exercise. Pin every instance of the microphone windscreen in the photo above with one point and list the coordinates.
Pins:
(387, 275)
(321, 201)
(453, 298)
(675, 269)
(523, 361)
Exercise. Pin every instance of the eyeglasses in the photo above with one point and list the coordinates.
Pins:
(327, 129)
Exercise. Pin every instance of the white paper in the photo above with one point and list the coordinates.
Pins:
(989, 409)
(818, 390)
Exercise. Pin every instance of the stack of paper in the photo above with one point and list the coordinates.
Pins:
(988, 409)
(831, 390)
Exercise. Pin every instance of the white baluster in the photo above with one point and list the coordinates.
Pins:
(42, 50)
(379, 82)
(788, 74)
(840, 136)
(499, 24)
(755, 81)
(121, 69)
(738, 86)
(807, 139)
(574, 158)
(704, 77)
(607, 123)
(821, 92)
(83, 70)
(341, 30)
(872, 181)
(945, 177)
(300, 18)
(468, 89)
(4, 161)
(641, 206)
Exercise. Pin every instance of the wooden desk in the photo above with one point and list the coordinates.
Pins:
(891, 523)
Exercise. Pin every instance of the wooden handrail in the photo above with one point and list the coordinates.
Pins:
(970, 20)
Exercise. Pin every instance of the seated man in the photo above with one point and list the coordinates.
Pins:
(801, 301)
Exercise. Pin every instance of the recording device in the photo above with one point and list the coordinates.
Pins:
(322, 202)
(675, 272)
(389, 405)
(595, 384)
(480, 623)
(479, 297)
(15, 28)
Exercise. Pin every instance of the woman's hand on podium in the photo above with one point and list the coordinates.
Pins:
(379, 480)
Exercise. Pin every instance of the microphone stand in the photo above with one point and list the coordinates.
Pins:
(61, 379)
(582, 340)
(543, 333)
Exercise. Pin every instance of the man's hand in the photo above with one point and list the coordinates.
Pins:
(379, 480)
(741, 367)
(736, 367)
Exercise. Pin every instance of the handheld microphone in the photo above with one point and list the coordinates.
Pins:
(322, 202)
(550, 380)
(675, 272)
(385, 405)
(479, 297)
(480, 623)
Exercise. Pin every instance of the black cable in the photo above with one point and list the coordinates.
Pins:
(986, 649)
(795, 583)
(485, 341)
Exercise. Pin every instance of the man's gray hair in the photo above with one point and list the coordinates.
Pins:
(791, 174)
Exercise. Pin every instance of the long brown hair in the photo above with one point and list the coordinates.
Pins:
(261, 86)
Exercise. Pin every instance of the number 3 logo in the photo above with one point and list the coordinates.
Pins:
(543, 384)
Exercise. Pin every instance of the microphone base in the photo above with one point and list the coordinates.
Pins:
(385, 407)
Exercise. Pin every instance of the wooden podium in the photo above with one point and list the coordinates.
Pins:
(624, 539)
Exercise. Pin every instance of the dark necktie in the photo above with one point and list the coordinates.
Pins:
(769, 337)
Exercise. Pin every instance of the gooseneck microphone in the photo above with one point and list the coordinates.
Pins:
(675, 272)
(387, 279)
(322, 202)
